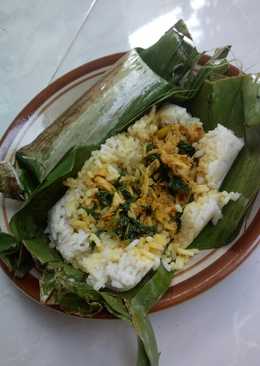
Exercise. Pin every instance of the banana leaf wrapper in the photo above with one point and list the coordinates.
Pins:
(141, 78)
(234, 102)
(231, 101)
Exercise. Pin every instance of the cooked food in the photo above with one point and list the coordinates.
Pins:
(145, 195)
(217, 151)
(127, 185)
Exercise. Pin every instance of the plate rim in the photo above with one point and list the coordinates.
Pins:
(176, 294)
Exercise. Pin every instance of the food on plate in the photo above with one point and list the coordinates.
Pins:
(156, 162)
(145, 195)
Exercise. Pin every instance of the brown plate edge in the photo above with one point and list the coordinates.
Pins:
(176, 294)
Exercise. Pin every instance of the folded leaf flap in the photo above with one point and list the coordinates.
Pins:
(30, 221)
(8, 243)
(221, 52)
(171, 56)
(221, 101)
(47, 285)
(9, 182)
(233, 103)
(251, 99)
(115, 305)
(182, 28)
(39, 248)
(251, 95)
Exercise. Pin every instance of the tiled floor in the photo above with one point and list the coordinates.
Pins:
(39, 41)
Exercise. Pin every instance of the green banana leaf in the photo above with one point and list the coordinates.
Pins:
(251, 102)
(139, 306)
(29, 222)
(234, 103)
(9, 181)
(115, 305)
(67, 286)
(221, 101)
(17, 259)
(8, 244)
(142, 359)
(39, 248)
(75, 305)
(148, 350)
(141, 78)
(47, 284)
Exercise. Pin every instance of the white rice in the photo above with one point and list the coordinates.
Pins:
(118, 268)
(197, 214)
(171, 113)
(217, 151)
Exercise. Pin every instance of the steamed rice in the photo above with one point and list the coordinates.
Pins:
(120, 262)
